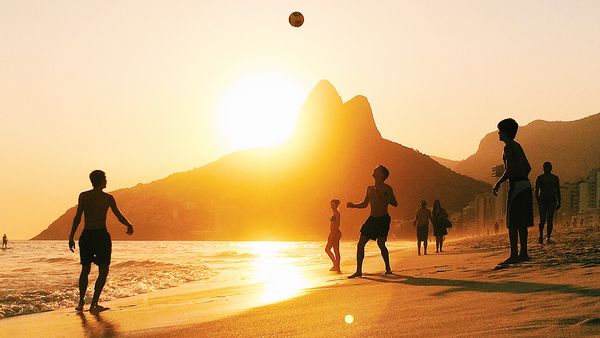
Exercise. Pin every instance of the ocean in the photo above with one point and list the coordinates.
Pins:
(38, 276)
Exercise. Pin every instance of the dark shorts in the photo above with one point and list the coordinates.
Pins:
(422, 232)
(376, 227)
(95, 246)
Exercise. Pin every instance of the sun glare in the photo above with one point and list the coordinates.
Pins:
(280, 278)
(259, 110)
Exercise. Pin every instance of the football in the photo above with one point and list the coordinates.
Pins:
(296, 19)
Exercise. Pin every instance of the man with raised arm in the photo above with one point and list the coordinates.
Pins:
(95, 245)
(377, 226)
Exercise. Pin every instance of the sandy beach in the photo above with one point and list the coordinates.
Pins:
(455, 293)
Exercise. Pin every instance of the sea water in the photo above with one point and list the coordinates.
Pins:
(37, 276)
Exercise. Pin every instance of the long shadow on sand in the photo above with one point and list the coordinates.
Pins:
(99, 327)
(457, 285)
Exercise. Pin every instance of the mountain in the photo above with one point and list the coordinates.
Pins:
(573, 147)
(284, 192)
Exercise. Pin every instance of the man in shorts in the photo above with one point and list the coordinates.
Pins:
(377, 226)
(95, 245)
(421, 221)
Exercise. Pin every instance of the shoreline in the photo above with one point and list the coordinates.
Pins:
(442, 288)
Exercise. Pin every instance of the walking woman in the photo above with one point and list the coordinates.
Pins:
(440, 220)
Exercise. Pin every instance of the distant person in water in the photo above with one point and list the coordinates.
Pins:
(95, 245)
(519, 213)
(377, 226)
(547, 194)
(421, 221)
(333, 240)
(4, 242)
(439, 218)
(496, 228)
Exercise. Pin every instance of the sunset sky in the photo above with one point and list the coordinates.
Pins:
(142, 89)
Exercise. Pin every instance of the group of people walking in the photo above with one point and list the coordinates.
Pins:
(95, 244)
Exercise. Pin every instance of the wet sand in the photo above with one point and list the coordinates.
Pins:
(455, 293)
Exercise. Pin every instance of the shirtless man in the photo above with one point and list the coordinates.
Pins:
(4, 242)
(94, 243)
(377, 226)
(547, 194)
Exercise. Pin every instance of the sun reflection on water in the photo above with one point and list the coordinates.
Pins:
(280, 277)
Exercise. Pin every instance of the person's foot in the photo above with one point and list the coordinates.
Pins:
(425, 253)
(436, 251)
(510, 260)
(441, 250)
(549, 241)
(419, 254)
(524, 258)
(541, 240)
(333, 268)
(354, 275)
(79, 307)
(389, 272)
(97, 308)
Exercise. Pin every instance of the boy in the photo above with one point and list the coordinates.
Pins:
(377, 226)
(94, 243)
(519, 213)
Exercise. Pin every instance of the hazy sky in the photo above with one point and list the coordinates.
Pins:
(132, 87)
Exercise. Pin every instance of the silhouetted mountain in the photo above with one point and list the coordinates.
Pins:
(573, 147)
(284, 192)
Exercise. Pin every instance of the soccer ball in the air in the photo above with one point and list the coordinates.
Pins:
(296, 19)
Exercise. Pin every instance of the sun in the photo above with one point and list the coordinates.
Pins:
(259, 110)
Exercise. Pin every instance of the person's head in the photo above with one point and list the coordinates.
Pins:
(507, 129)
(335, 203)
(547, 167)
(381, 173)
(436, 204)
(98, 179)
(423, 204)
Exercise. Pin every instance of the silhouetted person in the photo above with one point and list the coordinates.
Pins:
(377, 226)
(519, 214)
(333, 240)
(496, 228)
(94, 243)
(547, 194)
(4, 242)
(421, 221)
(439, 221)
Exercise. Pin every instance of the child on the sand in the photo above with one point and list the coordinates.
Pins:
(333, 241)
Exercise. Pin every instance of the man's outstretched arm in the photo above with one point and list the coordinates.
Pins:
(76, 221)
(120, 217)
(362, 204)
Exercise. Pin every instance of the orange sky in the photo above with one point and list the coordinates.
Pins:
(132, 87)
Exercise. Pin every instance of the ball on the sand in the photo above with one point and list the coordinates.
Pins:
(296, 19)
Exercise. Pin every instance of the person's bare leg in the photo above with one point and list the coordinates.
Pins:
(103, 273)
(330, 254)
(425, 247)
(437, 244)
(441, 243)
(336, 250)
(83, 284)
(523, 234)
(360, 255)
(419, 246)
(385, 254)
